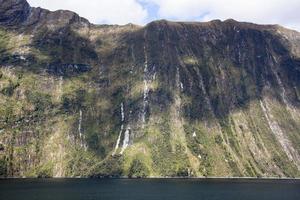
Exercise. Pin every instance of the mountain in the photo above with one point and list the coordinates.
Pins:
(220, 98)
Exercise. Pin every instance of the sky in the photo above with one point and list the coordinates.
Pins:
(283, 12)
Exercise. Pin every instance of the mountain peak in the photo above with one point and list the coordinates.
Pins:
(16, 12)
(13, 12)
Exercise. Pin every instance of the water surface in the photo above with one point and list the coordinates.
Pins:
(148, 189)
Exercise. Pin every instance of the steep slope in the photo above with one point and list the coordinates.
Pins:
(168, 99)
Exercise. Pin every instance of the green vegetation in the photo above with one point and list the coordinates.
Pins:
(4, 39)
(3, 167)
(45, 171)
(138, 169)
(227, 129)
(110, 167)
(200, 97)
(41, 101)
(10, 88)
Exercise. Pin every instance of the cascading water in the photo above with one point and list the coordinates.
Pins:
(149, 77)
(146, 88)
(194, 134)
(79, 124)
(126, 140)
(122, 127)
(118, 140)
(81, 136)
(179, 84)
(122, 112)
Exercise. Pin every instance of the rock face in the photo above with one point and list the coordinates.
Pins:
(167, 99)
(13, 12)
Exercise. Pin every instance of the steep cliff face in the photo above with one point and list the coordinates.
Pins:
(167, 99)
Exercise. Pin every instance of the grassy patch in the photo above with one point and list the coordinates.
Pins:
(138, 169)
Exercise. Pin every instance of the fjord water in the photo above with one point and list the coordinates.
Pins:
(144, 189)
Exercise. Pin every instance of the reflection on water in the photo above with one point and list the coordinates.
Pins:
(152, 189)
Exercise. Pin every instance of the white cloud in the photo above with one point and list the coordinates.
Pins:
(99, 11)
(284, 12)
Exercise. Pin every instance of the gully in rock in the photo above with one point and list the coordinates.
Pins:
(280, 135)
(284, 98)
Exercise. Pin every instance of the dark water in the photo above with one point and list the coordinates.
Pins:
(154, 189)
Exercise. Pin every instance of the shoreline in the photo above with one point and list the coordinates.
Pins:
(161, 178)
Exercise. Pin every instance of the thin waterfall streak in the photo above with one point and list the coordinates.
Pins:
(122, 112)
(146, 88)
(79, 127)
(118, 141)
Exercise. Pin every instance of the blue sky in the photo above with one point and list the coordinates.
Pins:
(283, 12)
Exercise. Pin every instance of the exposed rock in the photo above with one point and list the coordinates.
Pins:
(219, 98)
(17, 12)
(68, 69)
(13, 12)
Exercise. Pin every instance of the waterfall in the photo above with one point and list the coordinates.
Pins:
(79, 124)
(179, 84)
(194, 134)
(85, 147)
(281, 137)
(122, 112)
(118, 141)
(146, 88)
(81, 136)
(126, 140)
(122, 127)
(148, 78)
